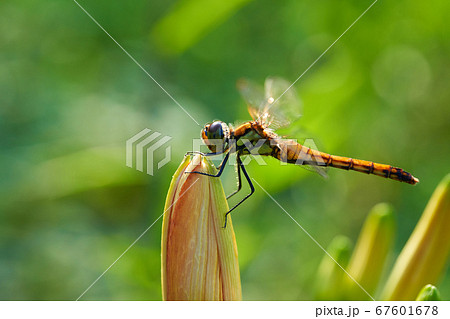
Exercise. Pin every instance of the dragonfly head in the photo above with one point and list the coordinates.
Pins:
(216, 136)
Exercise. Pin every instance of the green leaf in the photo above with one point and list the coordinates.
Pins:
(189, 21)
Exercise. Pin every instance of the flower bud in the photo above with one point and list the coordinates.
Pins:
(372, 248)
(425, 255)
(330, 275)
(199, 259)
(429, 293)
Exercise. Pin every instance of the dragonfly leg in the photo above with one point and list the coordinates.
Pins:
(239, 181)
(252, 189)
(222, 166)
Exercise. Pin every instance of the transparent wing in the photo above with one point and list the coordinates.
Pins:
(274, 107)
(318, 163)
(254, 95)
(294, 153)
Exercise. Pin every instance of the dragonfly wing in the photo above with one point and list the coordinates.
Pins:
(298, 154)
(274, 107)
(253, 95)
(284, 106)
(322, 171)
(318, 165)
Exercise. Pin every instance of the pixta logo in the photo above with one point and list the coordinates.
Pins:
(145, 145)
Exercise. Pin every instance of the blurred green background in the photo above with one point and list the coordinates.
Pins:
(70, 98)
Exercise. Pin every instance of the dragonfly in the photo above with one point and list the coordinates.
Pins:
(273, 108)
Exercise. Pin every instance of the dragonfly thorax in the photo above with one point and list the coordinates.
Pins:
(216, 136)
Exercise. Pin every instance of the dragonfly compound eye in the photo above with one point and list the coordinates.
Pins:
(215, 131)
(216, 136)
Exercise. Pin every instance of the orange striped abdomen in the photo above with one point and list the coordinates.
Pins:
(302, 155)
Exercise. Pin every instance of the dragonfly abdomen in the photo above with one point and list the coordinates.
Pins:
(382, 170)
(302, 155)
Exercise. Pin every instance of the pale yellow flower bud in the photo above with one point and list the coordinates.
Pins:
(372, 248)
(330, 274)
(425, 255)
